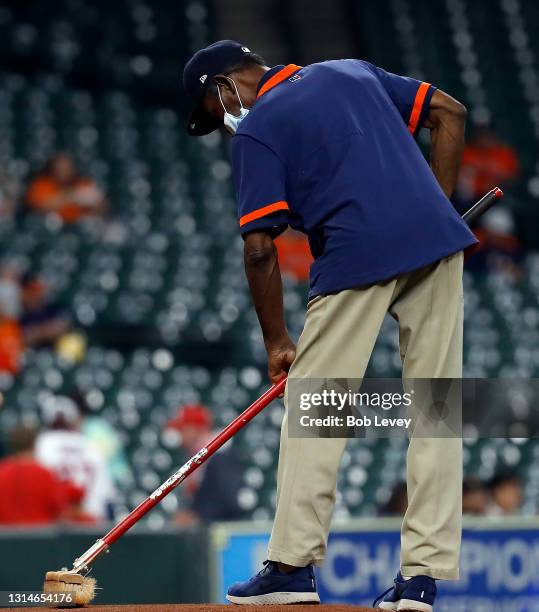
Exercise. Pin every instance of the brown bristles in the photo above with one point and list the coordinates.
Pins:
(83, 589)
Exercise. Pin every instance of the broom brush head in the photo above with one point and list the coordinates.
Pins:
(82, 588)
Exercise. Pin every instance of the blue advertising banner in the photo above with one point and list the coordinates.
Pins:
(499, 564)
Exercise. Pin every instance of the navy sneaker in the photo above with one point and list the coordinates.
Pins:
(414, 595)
(270, 586)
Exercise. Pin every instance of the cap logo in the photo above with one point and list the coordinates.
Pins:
(203, 78)
(246, 49)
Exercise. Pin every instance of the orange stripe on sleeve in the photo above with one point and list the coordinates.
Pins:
(262, 212)
(418, 106)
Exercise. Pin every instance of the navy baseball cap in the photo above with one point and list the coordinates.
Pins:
(198, 76)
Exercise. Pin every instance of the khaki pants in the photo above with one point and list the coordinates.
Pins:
(339, 335)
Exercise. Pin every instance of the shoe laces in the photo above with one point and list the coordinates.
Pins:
(265, 570)
(381, 597)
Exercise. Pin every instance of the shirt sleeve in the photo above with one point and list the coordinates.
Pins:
(259, 178)
(410, 96)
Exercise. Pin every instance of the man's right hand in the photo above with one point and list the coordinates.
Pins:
(280, 358)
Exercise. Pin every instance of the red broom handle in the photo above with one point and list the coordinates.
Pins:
(179, 476)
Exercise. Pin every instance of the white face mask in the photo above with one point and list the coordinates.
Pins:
(231, 121)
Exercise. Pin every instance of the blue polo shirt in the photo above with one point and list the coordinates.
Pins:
(329, 149)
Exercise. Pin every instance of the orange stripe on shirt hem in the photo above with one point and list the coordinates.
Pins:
(262, 212)
(418, 106)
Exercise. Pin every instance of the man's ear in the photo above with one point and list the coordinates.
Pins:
(221, 80)
(228, 94)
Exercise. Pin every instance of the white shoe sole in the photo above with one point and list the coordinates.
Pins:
(275, 598)
(410, 605)
(387, 605)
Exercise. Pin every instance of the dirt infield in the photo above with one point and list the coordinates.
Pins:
(207, 608)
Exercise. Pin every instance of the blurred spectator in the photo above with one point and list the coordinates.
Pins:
(506, 495)
(487, 162)
(61, 189)
(294, 254)
(498, 248)
(11, 337)
(102, 436)
(75, 512)
(65, 450)
(30, 494)
(43, 321)
(397, 502)
(214, 487)
(474, 496)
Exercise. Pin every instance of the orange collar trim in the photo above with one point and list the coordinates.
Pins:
(278, 78)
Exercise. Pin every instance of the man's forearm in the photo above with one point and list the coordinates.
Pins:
(446, 153)
(447, 122)
(264, 276)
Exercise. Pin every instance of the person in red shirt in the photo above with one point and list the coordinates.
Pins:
(487, 161)
(30, 494)
(11, 345)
